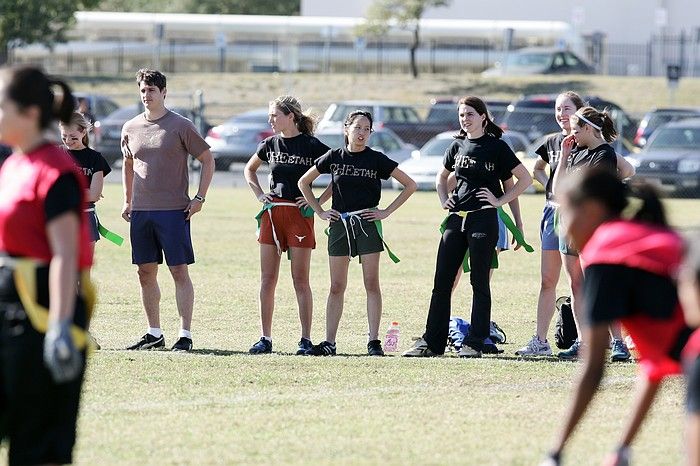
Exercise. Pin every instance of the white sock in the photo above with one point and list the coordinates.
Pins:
(155, 331)
(185, 333)
(267, 338)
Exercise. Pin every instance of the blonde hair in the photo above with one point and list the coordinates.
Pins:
(78, 119)
(289, 104)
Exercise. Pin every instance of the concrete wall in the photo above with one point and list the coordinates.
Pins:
(623, 21)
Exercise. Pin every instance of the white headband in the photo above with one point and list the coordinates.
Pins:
(581, 117)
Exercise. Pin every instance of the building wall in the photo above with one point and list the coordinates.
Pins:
(622, 21)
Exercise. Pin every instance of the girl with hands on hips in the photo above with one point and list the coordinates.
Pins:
(357, 171)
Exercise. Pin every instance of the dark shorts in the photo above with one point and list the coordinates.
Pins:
(364, 238)
(37, 416)
(91, 217)
(692, 371)
(157, 232)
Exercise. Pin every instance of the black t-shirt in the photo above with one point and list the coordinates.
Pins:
(478, 163)
(602, 157)
(550, 152)
(90, 161)
(357, 177)
(289, 159)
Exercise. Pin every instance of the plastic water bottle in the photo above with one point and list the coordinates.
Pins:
(391, 342)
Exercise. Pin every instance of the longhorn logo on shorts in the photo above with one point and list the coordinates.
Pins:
(300, 238)
(490, 166)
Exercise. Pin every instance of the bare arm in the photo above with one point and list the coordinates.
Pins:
(128, 185)
(566, 146)
(624, 168)
(250, 173)
(409, 187)
(205, 177)
(95, 191)
(539, 172)
(442, 187)
(63, 233)
(305, 188)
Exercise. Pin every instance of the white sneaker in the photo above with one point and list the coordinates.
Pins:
(535, 347)
(419, 350)
(468, 352)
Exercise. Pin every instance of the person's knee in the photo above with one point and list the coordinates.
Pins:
(549, 280)
(372, 285)
(180, 273)
(300, 282)
(338, 287)
(147, 275)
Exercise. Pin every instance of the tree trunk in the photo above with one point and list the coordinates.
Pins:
(414, 47)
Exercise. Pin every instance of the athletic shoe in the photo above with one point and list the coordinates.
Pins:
(535, 347)
(619, 351)
(304, 345)
(93, 341)
(148, 341)
(468, 352)
(419, 350)
(183, 344)
(572, 353)
(262, 346)
(325, 348)
(374, 348)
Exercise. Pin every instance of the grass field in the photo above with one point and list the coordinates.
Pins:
(219, 405)
(227, 94)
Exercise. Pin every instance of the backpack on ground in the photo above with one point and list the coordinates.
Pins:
(459, 329)
(565, 328)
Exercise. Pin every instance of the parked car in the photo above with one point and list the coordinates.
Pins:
(382, 139)
(658, 117)
(442, 115)
(401, 118)
(540, 60)
(424, 164)
(109, 143)
(671, 158)
(99, 106)
(237, 138)
(533, 115)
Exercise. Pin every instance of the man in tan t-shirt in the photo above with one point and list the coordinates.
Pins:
(156, 145)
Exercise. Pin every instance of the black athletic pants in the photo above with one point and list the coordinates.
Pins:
(478, 233)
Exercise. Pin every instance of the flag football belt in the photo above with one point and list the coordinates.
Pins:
(105, 233)
(350, 219)
(507, 221)
(24, 273)
(306, 212)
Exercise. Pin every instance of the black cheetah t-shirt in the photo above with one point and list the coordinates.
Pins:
(357, 177)
(550, 152)
(478, 163)
(289, 159)
(90, 162)
(602, 157)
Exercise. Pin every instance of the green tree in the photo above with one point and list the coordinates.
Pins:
(217, 7)
(406, 14)
(36, 21)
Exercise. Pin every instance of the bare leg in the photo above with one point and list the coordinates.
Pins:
(575, 276)
(336, 295)
(269, 273)
(150, 292)
(550, 268)
(370, 274)
(301, 263)
(184, 294)
(616, 330)
(692, 439)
